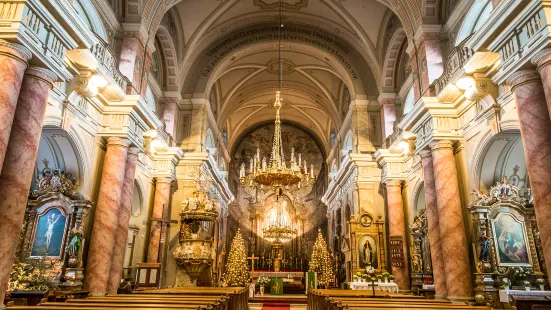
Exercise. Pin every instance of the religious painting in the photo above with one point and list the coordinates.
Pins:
(510, 240)
(49, 234)
(368, 252)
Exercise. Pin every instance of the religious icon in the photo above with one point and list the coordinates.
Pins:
(49, 234)
(510, 236)
(367, 252)
(366, 220)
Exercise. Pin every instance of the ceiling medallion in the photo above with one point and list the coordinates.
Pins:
(287, 66)
(287, 4)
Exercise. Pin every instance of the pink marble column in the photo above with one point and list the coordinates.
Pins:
(427, 63)
(535, 129)
(160, 210)
(388, 114)
(170, 115)
(121, 237)
(13, 62)
(438, 272)
(135, 61)
(19, 162)
(453, 236)
(397, 227)
(106, 219)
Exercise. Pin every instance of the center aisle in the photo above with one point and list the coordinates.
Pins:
(275, 306)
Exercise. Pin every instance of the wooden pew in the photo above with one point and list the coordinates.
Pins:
(238, 295)
(364, 300)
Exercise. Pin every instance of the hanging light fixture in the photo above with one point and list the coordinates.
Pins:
(276, 173)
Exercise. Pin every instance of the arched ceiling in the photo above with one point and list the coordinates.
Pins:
(330, 51)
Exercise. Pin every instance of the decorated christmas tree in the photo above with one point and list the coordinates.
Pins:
(321, 261)
(237, 270)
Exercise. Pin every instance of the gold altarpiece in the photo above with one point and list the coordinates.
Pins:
(368, 243)
(54, 226)
(505, 228)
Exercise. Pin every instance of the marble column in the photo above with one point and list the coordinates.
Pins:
(19, 162)
(121, 237)
(135, 61)
(160, 210)
(453, 236)
(13, 62)
(397, 227)
(438, 272)
(170, 115)
(535, 129)
(426, 59)
(388, 113)
(106, 219)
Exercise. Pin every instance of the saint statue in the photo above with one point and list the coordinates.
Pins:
(484, 243)
(277, 263)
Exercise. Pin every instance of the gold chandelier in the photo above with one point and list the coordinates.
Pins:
(279, 230)
(276, 173)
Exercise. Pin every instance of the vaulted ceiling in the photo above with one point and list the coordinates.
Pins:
(331, 54)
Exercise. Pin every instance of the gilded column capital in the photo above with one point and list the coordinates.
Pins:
(164, 180)
(133, 151)
(441, 144)
(42, 74)
(542, 58)
(15, 50)
(522, 77)
(118, 142)
(425, 153)
(393, 183)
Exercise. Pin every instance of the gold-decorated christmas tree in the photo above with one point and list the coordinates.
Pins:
(237, 270)
(321, 261)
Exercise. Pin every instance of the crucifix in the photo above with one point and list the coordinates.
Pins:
(163, 222)
(252, 259)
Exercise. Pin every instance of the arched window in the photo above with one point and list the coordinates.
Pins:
(409, 102)
(475, 18)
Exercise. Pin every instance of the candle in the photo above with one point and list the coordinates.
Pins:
(299, 159)
(305, 167)
(251, 166)
(312, 171)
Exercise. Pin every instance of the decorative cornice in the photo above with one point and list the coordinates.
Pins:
(43, 74)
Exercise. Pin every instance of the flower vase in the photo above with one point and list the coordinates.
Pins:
(391, 281)
(506, 287)
(542, 287)
(527, 288)
(378, 280)
(262, 290)
(386, 280)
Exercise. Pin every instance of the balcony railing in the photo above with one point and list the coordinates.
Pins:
(108, 62)
(455, 61)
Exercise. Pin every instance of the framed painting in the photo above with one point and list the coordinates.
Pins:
(49, 234)
(368, 251)
(510, 241)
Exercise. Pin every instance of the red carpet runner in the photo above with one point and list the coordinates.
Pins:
(275, 306)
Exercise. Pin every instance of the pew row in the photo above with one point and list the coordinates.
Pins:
(364, 300)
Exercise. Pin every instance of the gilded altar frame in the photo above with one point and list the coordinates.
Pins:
(370, 228)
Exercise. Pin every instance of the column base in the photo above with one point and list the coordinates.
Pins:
(462, 300)
(98, 294)
(440, 297)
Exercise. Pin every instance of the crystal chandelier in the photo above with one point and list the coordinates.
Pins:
(279, 231)
(277, 174)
